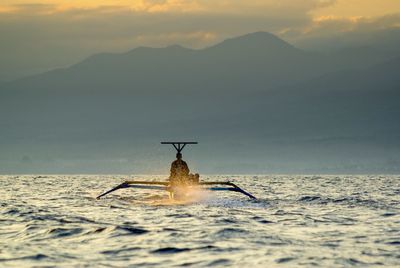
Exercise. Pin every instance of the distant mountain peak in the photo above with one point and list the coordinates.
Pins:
(256, 40)
(260, 35)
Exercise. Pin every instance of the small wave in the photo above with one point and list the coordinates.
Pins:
(11, 211)
(130, 230)
(173, 250)
(99, 230)
(63, 232)
(170, 250)
(231, 232)
(78, 219)
(117, 251)
(179, 215)
(349, 200)
(354, 261)
(309, 198)
(96, 230)
(261, 220)
(190, 264)
(394, 243)
(208, 247)
(219, 262)
(265, 221)
(389, 214)
(227, 221)
(36, 257)
(284, 260)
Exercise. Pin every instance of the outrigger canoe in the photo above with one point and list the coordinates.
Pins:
(180, 191)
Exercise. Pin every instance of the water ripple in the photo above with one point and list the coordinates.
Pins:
(298, 221)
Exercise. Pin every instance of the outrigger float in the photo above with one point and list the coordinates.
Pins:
(180, 191)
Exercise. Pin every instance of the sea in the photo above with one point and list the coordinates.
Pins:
(297, 221)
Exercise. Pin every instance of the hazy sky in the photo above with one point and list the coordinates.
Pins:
(37, 35)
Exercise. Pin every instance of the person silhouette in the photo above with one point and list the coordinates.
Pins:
(179, 172)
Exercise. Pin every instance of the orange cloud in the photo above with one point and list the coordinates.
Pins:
(210, 6)
(359, 8)
(341, 8)
(138, 5)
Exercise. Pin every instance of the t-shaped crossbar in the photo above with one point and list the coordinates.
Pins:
(179, 145)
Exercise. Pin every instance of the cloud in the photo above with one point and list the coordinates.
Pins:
(340, 32)
(358, 23)
(220, 6)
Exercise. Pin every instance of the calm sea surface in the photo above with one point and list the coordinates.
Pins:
(298, 221)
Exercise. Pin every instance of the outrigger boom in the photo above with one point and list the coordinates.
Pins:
(164, 185)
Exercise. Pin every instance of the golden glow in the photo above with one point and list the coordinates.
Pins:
(320, 8)
(7, 9)
(135, 5)
(130, 23)
(360, 8)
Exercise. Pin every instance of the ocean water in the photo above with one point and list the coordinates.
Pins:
(298, 221)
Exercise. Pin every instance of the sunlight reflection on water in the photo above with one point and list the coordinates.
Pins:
(297, 221)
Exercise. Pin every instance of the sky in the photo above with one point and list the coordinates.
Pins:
(39, 35)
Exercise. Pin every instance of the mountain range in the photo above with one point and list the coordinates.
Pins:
(255, 103)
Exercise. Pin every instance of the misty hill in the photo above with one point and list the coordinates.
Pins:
(380, 40)
(347, 103)
(256, 104)
(259, 59)
(233, 63)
